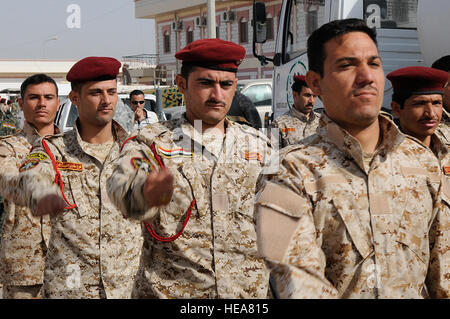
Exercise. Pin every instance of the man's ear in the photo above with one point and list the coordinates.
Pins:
(181, 83)
(74, 97)
(59, 105)
(395, 108)
(313, 80)
(20, 100)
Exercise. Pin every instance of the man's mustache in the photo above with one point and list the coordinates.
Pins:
(366, 88)
(213, 101)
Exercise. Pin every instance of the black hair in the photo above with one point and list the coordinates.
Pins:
(297, 86)
(401, 97)
(186, 69)
(331, 30)
(36, 79)
(442, 63)
(136, 92)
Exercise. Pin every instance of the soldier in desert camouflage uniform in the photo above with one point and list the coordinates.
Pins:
(352, 212)
(93, 251)
(25, 237)
(8, 119)
(443, 131)
(201, 242)
(300, 121)
(417, 102)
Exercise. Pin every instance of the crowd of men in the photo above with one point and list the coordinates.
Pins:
(341, 203)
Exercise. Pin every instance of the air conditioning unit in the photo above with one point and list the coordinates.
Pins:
(177, 25)
(197, 21)
(228, 16)
(200, 21)
(204, 21)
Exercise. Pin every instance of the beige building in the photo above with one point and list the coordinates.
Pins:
(14, 72)
(177, 23)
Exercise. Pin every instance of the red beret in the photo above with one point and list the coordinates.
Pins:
(214, 54)
(418, 80)
(300, 78)
(2, 100)
(94, 69)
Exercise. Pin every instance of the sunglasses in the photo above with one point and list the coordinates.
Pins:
(136, 102)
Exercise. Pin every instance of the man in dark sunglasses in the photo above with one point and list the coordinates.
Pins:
(142, 117)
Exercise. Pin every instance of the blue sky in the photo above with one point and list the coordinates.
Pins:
(107, 28)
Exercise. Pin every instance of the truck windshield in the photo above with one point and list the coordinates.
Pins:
(305, 16)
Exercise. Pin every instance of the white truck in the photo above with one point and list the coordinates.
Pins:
(409, 32)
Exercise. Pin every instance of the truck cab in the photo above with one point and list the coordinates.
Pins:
(397, 22)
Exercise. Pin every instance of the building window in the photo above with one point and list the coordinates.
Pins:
(189, 35)
(243, 31)
(166, 42)
(269, 24)
(312, 21)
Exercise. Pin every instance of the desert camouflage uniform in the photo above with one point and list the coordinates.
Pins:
(216, 255)
(24, 237)
(8, 121)
(295, 126)
(440, 149)
(334, 222)
(93, 251)
(443, 131)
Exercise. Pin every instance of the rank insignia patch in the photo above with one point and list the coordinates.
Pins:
(447, 170)
(7, 125)
(69, 166)
(174, 153)
(142, 163)
(39, 156)
(29, 164)
(287, 129)
(251, 156)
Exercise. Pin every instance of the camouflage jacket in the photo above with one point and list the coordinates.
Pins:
(216, 255)
(8, 122)
(294, 126)
(24, 237)
(331, 224)
(443, 131)
(91, 245)
(442, 243)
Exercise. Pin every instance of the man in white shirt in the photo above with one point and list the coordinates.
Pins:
(142, 117)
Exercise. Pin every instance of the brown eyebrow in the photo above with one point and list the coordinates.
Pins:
(353, 59)
(37, 95)
(210, 81)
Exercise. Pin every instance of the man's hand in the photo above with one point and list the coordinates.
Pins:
(50, 204)
(158, 188)
(139, 114)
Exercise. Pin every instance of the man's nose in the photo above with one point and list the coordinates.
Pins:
(365, 74)
(41, 101)
(106, 98)
(217, 92)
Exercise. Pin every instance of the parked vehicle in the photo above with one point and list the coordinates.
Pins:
(260, 93)
(68, 113)
(402, 27)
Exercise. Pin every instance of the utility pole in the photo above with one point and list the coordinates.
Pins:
(211, 19)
